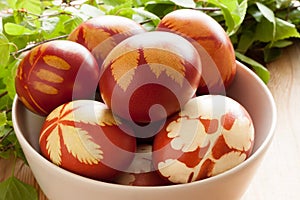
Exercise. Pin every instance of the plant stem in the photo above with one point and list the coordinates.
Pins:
(14, 166)
(207, 9)
(6, 135)
(3, 94)
(37, 44)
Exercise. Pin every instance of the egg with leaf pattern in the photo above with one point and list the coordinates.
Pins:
(84, 137)
(141, 172)
(212, 43)
(101, 34)
(149, 76)
(54, 73)
(210, 135)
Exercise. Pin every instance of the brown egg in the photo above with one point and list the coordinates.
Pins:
(210, 135)
(101, 34)
(54, 73)
(149, 76)
(213, 45)
(141, 171)
(85, 138)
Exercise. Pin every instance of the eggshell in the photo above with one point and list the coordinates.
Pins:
(101, 34)
(141, 171)
(210, 135)
(149, 76)
(85, 138)
(212, 43)
(54, 73)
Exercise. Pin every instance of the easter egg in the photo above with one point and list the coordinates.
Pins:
(212, 43)
(149, 76)
(101, 34)
(210, 135)
(85, 138)
(54, 73)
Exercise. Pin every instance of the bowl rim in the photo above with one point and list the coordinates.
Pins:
(21, 138)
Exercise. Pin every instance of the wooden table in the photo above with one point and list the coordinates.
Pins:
(279, 175)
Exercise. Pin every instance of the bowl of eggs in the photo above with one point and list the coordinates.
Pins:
(158, 115)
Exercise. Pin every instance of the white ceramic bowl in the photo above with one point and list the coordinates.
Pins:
(59, 184)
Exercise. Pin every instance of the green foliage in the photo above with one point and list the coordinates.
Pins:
(259, 30)
(14, 189)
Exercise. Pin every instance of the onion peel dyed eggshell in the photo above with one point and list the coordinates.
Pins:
(101, 34)
(211, 134)
(54, 73)
(84, 137)
(213, 45)
(149, 76)
(141, 172)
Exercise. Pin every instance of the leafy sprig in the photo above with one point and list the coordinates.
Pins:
(259, 30)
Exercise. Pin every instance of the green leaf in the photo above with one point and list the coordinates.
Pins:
(72, 23)
(285, 30)
(266, 12)
(33, 6)
(16, 29)
(146, 15)
(264, 31)
(55, 26)
(124, 10)
(114, 2)
(271, 54)
(269, 15)
(9, 78)
(3, 5)
(49, 24)
(12, 3)
(246, 39)
(160, 8)
(258, 68)
(184, 3)
(90, 11)
(4, 49)
(282, 43)
(234, 13)
(14, 189)
(255, 13)
(5, 155)
(3, 120)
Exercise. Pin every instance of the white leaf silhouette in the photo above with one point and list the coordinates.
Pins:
(53, 146)
(79, 143)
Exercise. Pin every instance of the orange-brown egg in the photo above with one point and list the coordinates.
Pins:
(54, 73)
(84, 137)
(101, 34)
(141, 171)
(210, 135)
(211, 41)
(149, 76)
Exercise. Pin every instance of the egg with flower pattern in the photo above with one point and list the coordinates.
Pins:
(84, 137)
(210, 135)
(149, 76)
(54, 73)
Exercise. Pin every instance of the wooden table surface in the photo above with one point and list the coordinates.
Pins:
(279, 174)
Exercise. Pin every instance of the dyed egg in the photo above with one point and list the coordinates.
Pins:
(141, 171)
(101, 34)
(210, 135)
(149, 76)
(85, 138)
(54, 73)
(211, 41)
